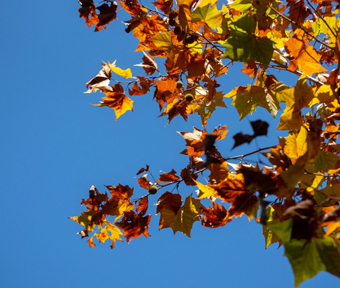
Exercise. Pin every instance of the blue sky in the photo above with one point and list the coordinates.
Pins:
(55, 145)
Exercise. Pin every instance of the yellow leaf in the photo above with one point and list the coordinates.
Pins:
(124, 73)
(206, 191)
(162, 41)
(296, 144)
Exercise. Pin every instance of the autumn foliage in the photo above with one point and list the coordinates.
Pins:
(197, 41)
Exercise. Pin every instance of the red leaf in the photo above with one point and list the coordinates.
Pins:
(168, 177)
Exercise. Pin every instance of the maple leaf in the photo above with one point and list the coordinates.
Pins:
(269, 236)
(102, 79)
(119, 203)
(124, 73)
(168, 177)
(188, 176)
(233, 191)
(214, 217)
(134, 225)
(149, 65)
(164, 5)
(106, 15)
(247, 99)
(208, 15)
(308, 258)
(117, 100)
(88, 12)
(162, 41)
(165, 91)
(144, 183)
(175, 108)
(250, 69)
(206, 107)
(111, 232)
(296, 98)
(186, 216)
(298, 12)
(242, 44)
(142, 170)
(278, 158)
(168, 206)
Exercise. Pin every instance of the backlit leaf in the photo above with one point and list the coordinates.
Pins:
(124, 73)
(208, 15)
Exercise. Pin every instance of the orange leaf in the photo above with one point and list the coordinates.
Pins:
(117, 100)
(143, 182)
(250, 69)
(90, 241)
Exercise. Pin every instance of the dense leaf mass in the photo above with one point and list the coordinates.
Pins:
(197, 41)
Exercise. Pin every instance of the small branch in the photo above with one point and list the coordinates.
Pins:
(322, 19)
(248, 154)
(210, 42)
(297, 73)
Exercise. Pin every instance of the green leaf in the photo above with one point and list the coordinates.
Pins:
(308, 258)
(326, 161)
(246, 99)
(245, 47)
(283, 230)
(245, 23)
(206, 108)
(187, 215)
(209, 15)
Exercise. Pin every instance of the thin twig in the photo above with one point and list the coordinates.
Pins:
(251, 153)
(322, 19)
(296, 72)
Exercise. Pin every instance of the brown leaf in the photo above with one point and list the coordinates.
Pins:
(214, 217)
(88, 12)
(168, 177)
(168, 205)
(106, 15)
(142, 170)
(149, 65)
(134, 225)
(187, 175)
(164, 5)
(298, 12)
(233, 191)
(142, 206)
(304, 219)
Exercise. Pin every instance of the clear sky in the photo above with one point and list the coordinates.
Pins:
(55, 145)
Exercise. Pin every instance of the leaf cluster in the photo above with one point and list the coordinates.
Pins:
(295, 195)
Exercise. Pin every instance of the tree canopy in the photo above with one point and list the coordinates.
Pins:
(187, 48)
